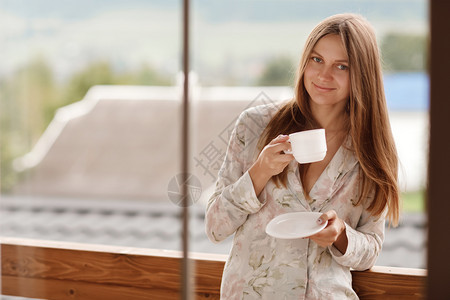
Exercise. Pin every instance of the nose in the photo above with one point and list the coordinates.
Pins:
(325, 73)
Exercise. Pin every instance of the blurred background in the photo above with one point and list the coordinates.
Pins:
(90, 110)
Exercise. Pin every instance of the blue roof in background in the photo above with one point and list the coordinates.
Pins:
(407, 91)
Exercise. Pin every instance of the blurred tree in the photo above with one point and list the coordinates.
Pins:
(278, 72)
(143, 76)
(6, 173)
(34, 91)
(102, 73)
(404, 52)
(97, 73)
(27, 101)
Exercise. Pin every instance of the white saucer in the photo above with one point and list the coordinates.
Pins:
(295, 225)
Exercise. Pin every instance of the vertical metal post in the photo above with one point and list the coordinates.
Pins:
(185, 274)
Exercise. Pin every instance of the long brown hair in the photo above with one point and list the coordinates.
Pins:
(368, 120)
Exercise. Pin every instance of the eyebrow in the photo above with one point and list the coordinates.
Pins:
(339, 60)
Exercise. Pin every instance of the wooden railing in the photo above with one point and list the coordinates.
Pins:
(61, 270)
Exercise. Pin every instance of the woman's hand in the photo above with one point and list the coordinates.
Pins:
(271, 161)
(334, 233)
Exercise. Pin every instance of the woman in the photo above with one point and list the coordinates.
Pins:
(339, 88)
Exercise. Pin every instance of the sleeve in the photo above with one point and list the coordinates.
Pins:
(364, 243)
(234, 197)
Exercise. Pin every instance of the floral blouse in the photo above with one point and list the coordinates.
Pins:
(262, 267)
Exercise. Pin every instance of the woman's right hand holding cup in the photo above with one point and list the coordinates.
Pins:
(271, 161)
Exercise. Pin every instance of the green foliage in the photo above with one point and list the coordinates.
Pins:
(95, 74)
(144, 76)
(30, 97)
(279, 71)
(404, 52)
(102, 73)
(413, 201)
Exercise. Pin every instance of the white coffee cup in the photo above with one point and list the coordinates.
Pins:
(308, 146)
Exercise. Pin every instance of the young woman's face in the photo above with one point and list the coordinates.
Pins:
(326, 77)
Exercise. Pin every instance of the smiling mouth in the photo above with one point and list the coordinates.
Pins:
(324, 89)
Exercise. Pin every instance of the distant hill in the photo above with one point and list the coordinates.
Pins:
(231, 10)
(294, 10)
(79, 9)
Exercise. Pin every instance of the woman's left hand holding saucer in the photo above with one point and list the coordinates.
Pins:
(333, 234)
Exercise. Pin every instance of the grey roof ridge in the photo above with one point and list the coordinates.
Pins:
(91, 204)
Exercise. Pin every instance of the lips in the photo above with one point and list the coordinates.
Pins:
(322, 88)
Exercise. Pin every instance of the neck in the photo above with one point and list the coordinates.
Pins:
(331, 118)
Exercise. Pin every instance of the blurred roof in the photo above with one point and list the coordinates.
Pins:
(124, 141)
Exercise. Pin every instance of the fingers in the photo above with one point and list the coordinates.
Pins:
(279, 139)
(328, 216)
(272, 160)
(332, 232)
(280, 144)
